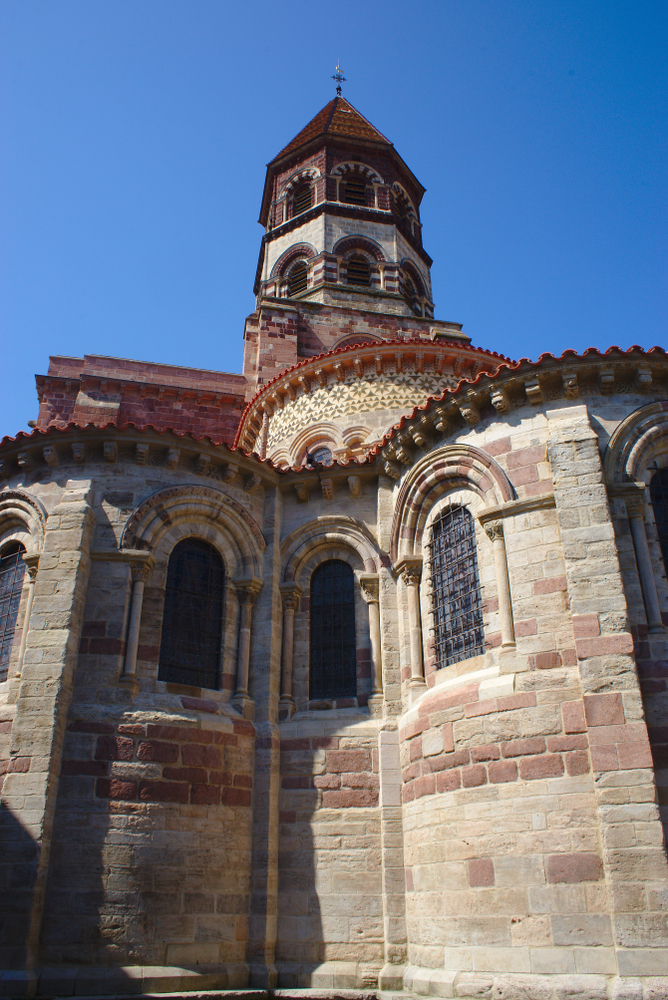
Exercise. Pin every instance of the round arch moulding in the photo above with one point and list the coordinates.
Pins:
(633, 444)
(304, 250)
(456, 466)
(350, 244)
(166, 508)
(326, 532)
(20, 508)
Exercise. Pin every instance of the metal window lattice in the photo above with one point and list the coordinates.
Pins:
(658, 493)
(456, 601)
(12, 570)
(193, 616)
(333, 652)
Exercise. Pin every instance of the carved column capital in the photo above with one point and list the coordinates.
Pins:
(635, 507)
(494, 530)
(247, 590)
(370, 587)
(410, 571)
(32, 562)
(290, 595)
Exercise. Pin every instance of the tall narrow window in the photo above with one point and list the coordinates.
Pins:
(302, 199)
(297, 278)
(658, 494)
(192, 622)
(333, 651)
(12, 569)
(456, 602)
(359, 272)
(354, 191)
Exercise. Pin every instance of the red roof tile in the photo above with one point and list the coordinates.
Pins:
(338, 118)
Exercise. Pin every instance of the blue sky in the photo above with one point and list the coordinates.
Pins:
(136, 133)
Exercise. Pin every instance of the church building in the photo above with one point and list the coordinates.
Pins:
(348, 672)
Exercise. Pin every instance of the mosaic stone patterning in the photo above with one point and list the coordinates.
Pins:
(338, 400)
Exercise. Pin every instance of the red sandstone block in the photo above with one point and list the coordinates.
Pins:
(572, 868)
(572, 713)
(481, 872)
(502, 771)
(445, 761)
(632, 732)
(112, 788)
(577, 762)
(527, 699)
(585, 626)
(425, 785)
(448, 781)
(6, 727)
(90, 727)
(148, 653)
(105, 647)
(604, 758)
(287, 816)
(604, 709)
(416, 749)
(114, 748)
(474, 776)
(546, 661)
(200, 705)
(490, 751)
(348, 760)
(527, 627)
(568, 657)
(480, 708)
(539, 488)
(448, 739)
(189, 774)
(236, 797)
(134, 729)
(522, 748)
(557, 744)
(350, 798)
(220, 778)
(180, 733)
(410, 772)
(544, 766)
(81, 767)
(408, 792)
(521, 477)
(461, 696)
(243, 727)
(295, 782)
(229, 740)
(499, 447)
(526, 456)
(633, 755)
(205, 795)
(19, 765)
(327, 781)
(550, 585)
(196, 755)
(324, 743)
(243, 781)
(605, 645)
(163, 791)
(303, 744)
(414, 729)
(153, 750)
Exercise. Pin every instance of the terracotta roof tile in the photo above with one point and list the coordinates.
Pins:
(338, 118)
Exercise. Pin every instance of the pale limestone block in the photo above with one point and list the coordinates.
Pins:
(522, 987)
(578, 987)
(601, 961)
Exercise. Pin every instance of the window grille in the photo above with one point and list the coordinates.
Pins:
(359, 272)
(12, 570)
(354, 191)
(333, 650)
(658, 494)
(193, 616)
(456, 601)
(322, 455)
(297, 278)
(302, 199)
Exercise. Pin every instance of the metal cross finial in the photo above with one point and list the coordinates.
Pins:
(340, 78)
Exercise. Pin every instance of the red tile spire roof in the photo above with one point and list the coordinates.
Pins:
(338, 118)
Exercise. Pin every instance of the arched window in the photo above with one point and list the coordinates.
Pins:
(456, 602)
(658, 494)
(409, 292)
(302, 199)
(322, 455)
(359, 272)
(192, 622)
(12, 569)
(333, 651)
(297, 278)
(354, 191)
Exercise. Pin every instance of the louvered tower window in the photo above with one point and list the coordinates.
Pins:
(456, 601)
(359, 272)
(192, 622)
(333, 652)
(658, 494)
(12, 570)
(302, 199)
(409, 292)
(354, 191)
(297, 278)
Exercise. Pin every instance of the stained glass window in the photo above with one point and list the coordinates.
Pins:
(12, 569)
(333, 651)
(456, 601)
(193, 616)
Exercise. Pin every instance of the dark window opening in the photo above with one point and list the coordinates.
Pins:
(354, 191)
(302, 199)
(410, 294)
(297, 278)
(192, 621)
(359, 272)
(333, 649)
(456, 599)
(658, 494)
(321, 455)
(12, 570)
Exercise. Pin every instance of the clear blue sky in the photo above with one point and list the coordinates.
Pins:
(135, 135)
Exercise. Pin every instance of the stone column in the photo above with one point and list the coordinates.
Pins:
(635, 511)
(370, 592)
(264, 434)
(411, 573)
(247, 591)
(291, 593)
(32, 562)
(129, 676)
(494, 531)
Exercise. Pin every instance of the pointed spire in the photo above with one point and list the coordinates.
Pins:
(338, 118)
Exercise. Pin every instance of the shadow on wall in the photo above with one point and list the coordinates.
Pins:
(19, 857)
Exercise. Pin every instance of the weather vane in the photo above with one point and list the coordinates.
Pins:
(340, 78)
